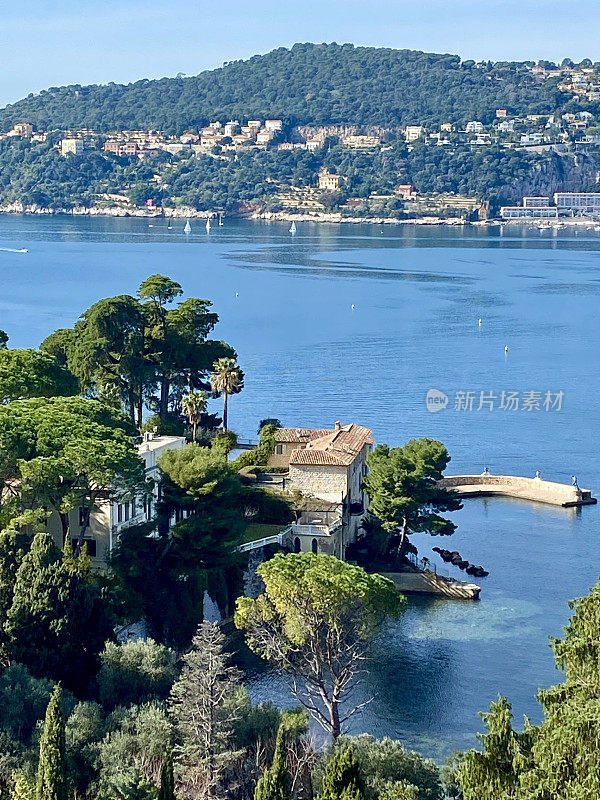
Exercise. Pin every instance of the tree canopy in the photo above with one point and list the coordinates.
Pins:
(314, 621)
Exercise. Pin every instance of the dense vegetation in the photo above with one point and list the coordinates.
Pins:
(36, 174)
(308, 84)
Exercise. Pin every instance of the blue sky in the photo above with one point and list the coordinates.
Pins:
(47, 43)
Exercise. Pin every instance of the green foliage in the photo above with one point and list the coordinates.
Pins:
(51, 776)
(84, 730)
(557, 760)
(309, 84)
(67, 452)
(135, 672)
(31, 373)
(132, 754)
(204, 706)
(22, 788)
(13, 547)
(401, 484)
(58, 622)
(342, 777)
(390, 771)
(167, 778)
(3, 339)
(275, 782)
(260, 454)
(226, 379)
(23, 702)
(313, 621)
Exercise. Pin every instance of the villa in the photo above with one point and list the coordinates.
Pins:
(328, 466)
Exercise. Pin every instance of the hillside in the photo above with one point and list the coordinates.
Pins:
(308, 84)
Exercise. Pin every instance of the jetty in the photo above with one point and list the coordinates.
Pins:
(533, 489)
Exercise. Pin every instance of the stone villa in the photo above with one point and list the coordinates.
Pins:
(328, 467)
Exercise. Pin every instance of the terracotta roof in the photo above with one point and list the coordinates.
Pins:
(298, 435)
(336, 448)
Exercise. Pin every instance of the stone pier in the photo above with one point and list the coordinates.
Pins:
(536, 489)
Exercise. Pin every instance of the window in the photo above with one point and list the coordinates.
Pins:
(133, 508)
(83, 516)
(279, 449)
(315, 546)
(149, 508)
(297, 545)
(91, 546)
(119, 513)
(126, 511)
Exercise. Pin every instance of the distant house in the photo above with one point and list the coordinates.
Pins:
(501, 113)
(413, 132)
(273, 125)
(361, 142)
(328, 466)
(264, 137)
(447, 127)
(474, 127)
(330, 182)
(314, 143)
(405, 191)
(71, 145)
(24, 129)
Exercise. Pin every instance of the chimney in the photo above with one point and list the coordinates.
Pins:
(337, 426)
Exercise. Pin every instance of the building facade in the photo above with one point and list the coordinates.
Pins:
(110, 518)
(328, 467)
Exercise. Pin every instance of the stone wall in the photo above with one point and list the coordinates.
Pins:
(325, 481)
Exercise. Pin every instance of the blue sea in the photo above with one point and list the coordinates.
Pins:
(357, 323)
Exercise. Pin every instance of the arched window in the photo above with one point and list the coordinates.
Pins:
(315, 546)
(297, 546)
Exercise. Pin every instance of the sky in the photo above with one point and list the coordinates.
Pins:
(47, 43)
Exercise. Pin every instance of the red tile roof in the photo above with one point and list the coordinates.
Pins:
(338, 447)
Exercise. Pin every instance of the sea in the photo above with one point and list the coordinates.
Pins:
(362, 323)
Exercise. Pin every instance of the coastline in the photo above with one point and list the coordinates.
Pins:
(337, 218)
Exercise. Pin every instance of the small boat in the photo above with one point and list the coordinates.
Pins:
(188, 227)
(207, 224)
(169, 227)
(221, 221)
(293, 228)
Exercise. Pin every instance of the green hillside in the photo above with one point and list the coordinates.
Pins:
(308, 84)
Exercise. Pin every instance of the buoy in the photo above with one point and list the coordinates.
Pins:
(352, 306)
(480, 321)
(506, 349)
(236, 294)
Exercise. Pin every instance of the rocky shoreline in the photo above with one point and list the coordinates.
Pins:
(184, 212)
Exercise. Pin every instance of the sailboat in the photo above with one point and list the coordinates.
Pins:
(188, 227)
(207, 224)
(220, 220)
(293, 228)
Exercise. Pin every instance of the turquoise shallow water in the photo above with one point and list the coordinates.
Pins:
(311, 359)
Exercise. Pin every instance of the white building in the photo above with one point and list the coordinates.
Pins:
(474, 127)
(71, 145)
(578, 203)
(273, 125)
(109, 519)
(413, 132)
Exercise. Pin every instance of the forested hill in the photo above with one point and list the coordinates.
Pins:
(308, 84)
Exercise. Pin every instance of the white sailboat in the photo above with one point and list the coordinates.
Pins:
(293, 228)
(207, 224)
(188, 227)
(220, 220)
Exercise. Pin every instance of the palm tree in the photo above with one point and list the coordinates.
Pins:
(227, 378)
(193, 405)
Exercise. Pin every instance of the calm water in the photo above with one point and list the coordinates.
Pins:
(311, 359)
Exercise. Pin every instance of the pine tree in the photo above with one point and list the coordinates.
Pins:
(167, 780)
(342, 778)
(203, 708)
(51, 778)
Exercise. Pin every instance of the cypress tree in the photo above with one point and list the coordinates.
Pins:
(167, 779)
(342, 778)
(274, 783)
(51, 777)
